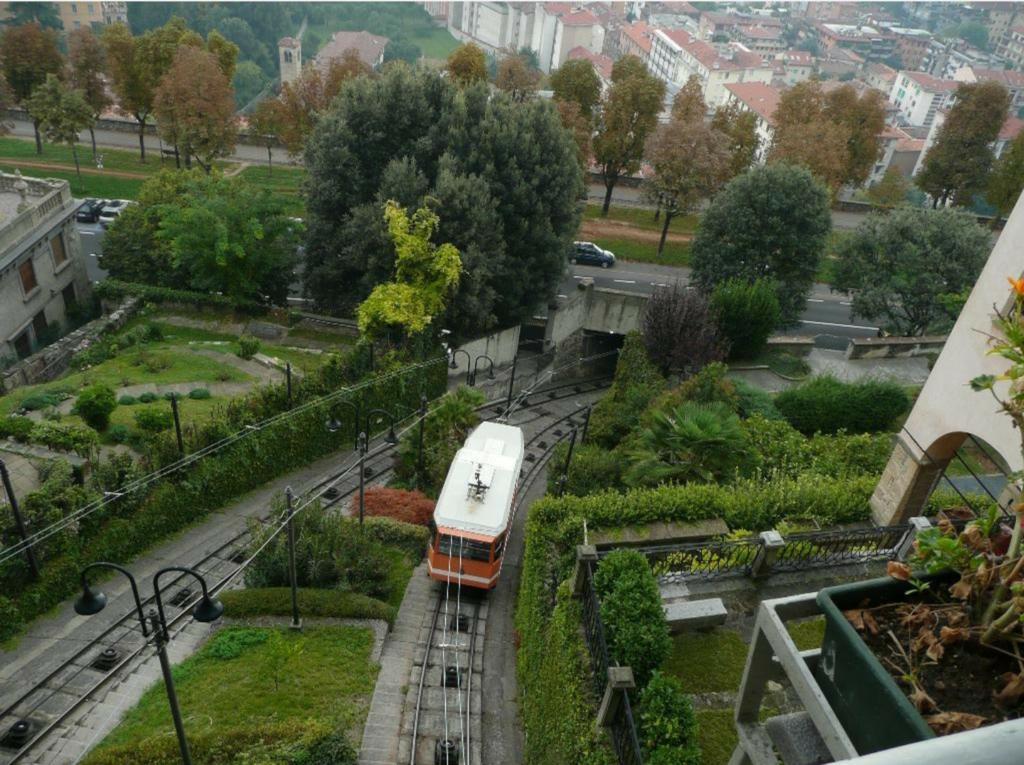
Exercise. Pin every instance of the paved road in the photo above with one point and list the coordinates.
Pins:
(827, 315)
(92, 247)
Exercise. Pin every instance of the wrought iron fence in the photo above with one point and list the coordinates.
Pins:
(622, 726)
(703, 560)
(832, 548)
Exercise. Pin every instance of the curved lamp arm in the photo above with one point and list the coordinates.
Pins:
(489, 360)
(159, 600)
(469, 359)
(86, 590)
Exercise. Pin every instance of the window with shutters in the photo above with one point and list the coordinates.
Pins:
(60, 255)
(28, 276)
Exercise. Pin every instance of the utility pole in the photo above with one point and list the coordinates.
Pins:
(18, 520)
(177, 424)
(296, 621)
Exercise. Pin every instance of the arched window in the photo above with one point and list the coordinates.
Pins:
(288, 57)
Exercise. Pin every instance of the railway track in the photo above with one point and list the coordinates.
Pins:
(39, 723)
(445, 720)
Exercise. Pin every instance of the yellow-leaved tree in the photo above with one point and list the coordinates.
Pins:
(426, 275)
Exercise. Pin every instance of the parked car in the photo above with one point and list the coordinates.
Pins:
(90, 210)
(589, 254)
(112, 210)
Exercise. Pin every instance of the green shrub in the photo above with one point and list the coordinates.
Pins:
(637, 382)
(751, 400)
(634, 621)
(277, 601)
(38, 401)
(154, 419)
(68, 438)
(18, 428)
(248, 346)
(232, 642)
(593, 469)
(152, 332)
(666, 724)
(94, 405)
(147, 397)
(747, 315)
(170, 396)
(114, 288)
(199, 394)
(827, 405)
(10, 619)
(332, 749)
(127, 400)
(119, 434)
(409, 538)
(709, 386)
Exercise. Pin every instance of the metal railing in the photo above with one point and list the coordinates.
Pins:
(622, 726)
(703, 560)
(830, 548)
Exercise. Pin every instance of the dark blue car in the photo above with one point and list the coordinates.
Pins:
(589, 254)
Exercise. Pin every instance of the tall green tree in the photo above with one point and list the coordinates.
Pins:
(29, 54)
(265, 124)
(44, 14)
(770, 223)
(1007, 178)
(61, 113)
(957, 165)
(890, 191)
(628, 116)
(902, 266)
(577, 82)
(87, 63)
(501, 176)
(425, 277)
(690, 162)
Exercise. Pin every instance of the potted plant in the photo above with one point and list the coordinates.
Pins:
(937, 647)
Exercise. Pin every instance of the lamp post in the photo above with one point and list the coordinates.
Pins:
(476, 365)
(376, 414)
(334, 424)
(568, 460)
(296, 621)
(288, 381)
(586, 423)
(207, 610)
(12, 500)
(511, 382)
(362, 476)
(419, 444)
(177, 424)
(453, 364)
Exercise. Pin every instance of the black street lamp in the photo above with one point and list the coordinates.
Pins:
(453, 364)
(19, 522)
(362, 476)
(334, 424)
(374, 416)
(568, 461)
(419, 444)
(476, 367)
(207, 610)
(177, 424)
(296, 621)
(511, 383)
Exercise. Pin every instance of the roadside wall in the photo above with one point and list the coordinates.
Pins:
(894, 347)
(500, 346)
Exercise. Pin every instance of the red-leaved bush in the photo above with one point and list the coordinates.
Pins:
(398, 504)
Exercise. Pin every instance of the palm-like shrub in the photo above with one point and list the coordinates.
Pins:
(691, 442)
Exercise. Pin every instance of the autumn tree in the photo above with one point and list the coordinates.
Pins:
(739, 126)
(87, 61)
(890, 191)
(629, 115)
(516, 77)
(690, 161)
(61, 114)
(265, 124)
(957, 165)
(1007, 179)
(863, 116)
(688, 104)
(467, 64)
(577, 82)
(29, 54)
(680, 330)
(305, 99)
(195, 107)
(426, 275)
(819, 145)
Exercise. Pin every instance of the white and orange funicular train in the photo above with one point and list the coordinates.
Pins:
(473, 512)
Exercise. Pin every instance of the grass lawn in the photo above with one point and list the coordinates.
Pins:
(157, 363)
(326, 676)
(644, 252)
(438, 44)
(321, 336)
(782, 362)
(283, 181)
(120, 160)
(91, 184)
(639, 217)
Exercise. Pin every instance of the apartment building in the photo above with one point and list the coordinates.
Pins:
(793, 66)
(676, 55)
(560, 27)
(91, 14)
(912, 46)
(42, 272)
(493, 26)
(918, 97)
(761, 100)
(635, 40)
(1013, 50)
(871, 43)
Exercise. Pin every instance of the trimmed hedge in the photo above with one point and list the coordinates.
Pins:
(634, 621)
(277, 601)
(592, 469)
(667, 724)
(637, 382)
(747, 315)
(827, 405)
(112, 289)
(783, 450)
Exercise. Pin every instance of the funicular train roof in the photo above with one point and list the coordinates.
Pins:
(497, 451)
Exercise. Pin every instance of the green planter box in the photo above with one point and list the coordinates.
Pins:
(871, 706)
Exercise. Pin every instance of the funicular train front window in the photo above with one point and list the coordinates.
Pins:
(468, 548)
